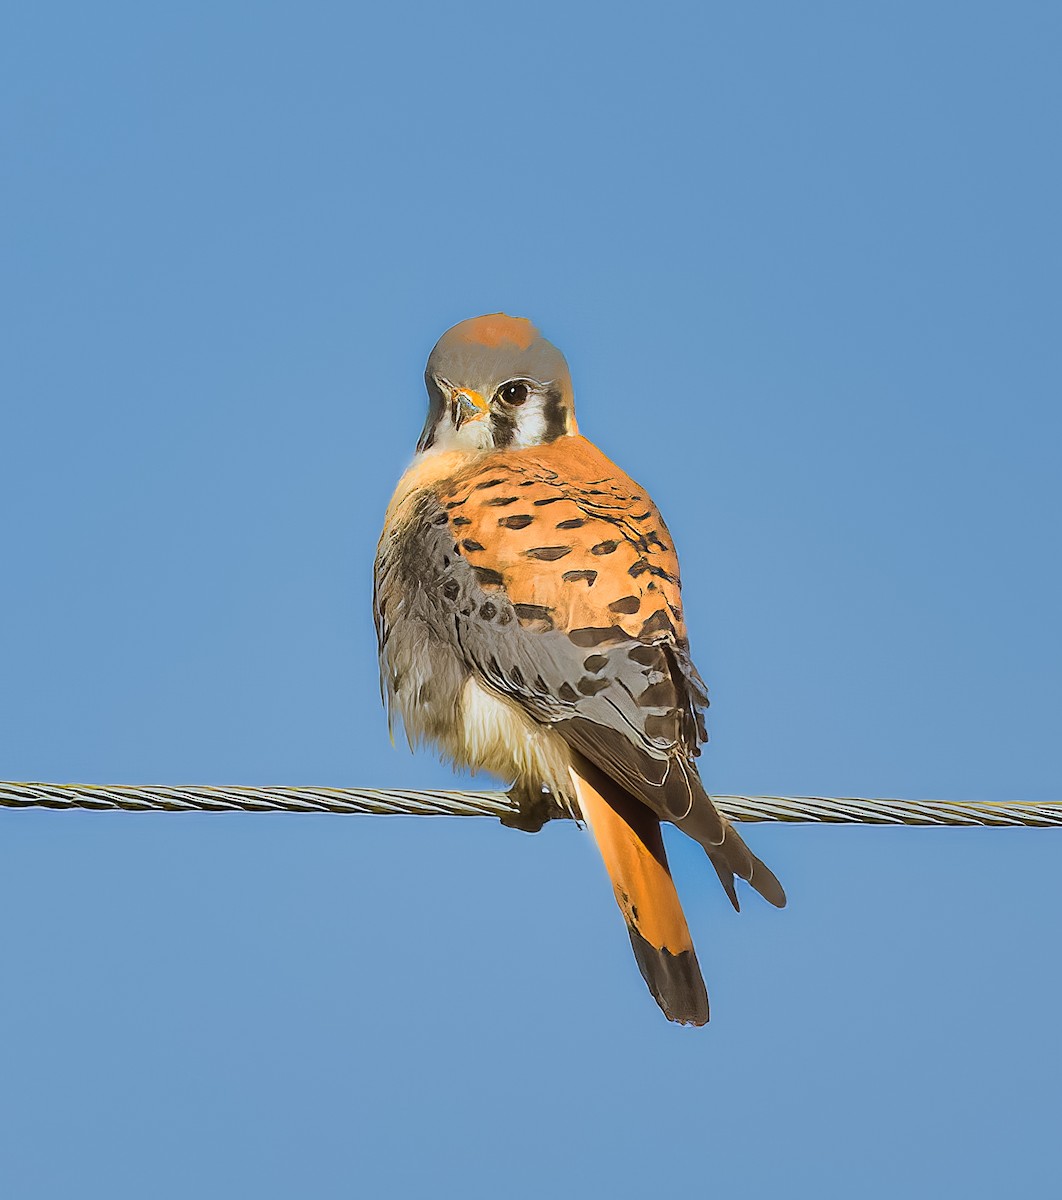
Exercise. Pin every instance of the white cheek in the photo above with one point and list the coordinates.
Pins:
(531, 423)
(473, 435)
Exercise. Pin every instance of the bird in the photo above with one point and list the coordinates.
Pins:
(529, 623)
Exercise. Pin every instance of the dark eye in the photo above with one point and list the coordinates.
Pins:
(513, 393)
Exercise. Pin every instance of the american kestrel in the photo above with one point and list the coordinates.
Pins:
(529, 621)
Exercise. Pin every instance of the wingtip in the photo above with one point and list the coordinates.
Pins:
(726, 878)
(765, 882)
(753, 870)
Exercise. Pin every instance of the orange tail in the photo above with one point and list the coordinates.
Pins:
(628, 836)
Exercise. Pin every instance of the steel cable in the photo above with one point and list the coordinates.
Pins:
(415, 803)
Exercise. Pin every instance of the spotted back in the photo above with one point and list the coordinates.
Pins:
(571, 540)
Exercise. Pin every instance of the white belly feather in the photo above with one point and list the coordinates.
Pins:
(496, 735)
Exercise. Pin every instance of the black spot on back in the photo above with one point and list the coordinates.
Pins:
(572, 576)
(643, 565)
(627, 605)
(539, 614)
(658, 695)
(647, 656)
(662, 725)
(593, 635)
(487, 576)
(595, 662)
(469, 544)
(501, 501)
(659, 622)
(520, 522)
(590, 687)
(548, 553)
(567, 692)
(604, 547)
(574, 523)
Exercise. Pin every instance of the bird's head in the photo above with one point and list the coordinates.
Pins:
(495, 382)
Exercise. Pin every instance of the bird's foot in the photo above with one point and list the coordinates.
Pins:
(534, 807)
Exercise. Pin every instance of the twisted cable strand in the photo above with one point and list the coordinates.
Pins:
(418, 803)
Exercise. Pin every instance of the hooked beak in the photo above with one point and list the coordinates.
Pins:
(467, 405)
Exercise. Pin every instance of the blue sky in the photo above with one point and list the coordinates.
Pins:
(804, 262)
